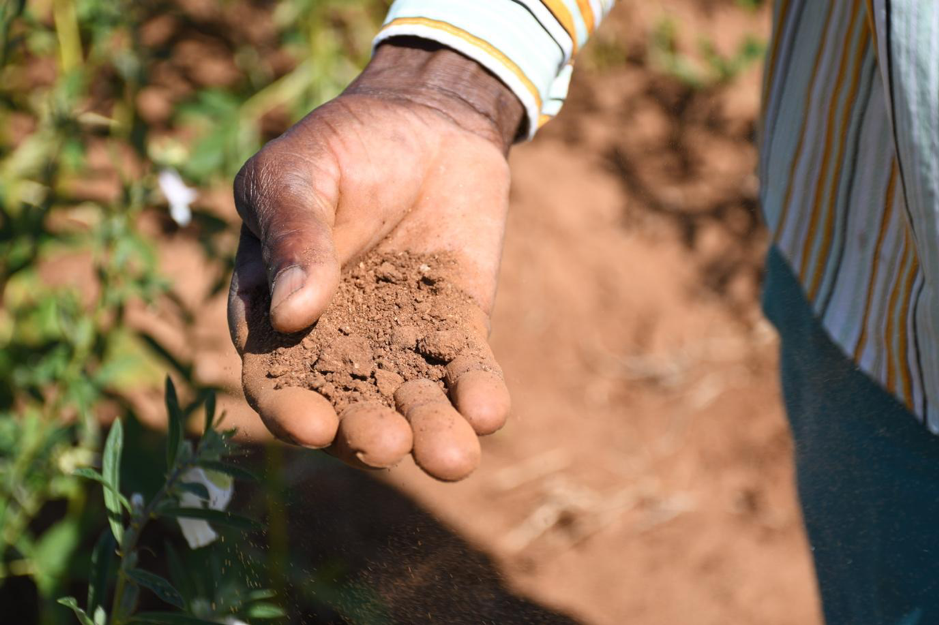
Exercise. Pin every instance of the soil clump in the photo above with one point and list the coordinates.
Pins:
(395, 317)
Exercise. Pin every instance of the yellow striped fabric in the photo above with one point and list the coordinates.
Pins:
(529, 44)
(849, 168)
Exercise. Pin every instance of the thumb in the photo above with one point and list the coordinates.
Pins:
(292, 217)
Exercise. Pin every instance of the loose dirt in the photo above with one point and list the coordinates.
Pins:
(395, 318)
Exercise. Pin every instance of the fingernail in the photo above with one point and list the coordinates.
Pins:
(286, 283)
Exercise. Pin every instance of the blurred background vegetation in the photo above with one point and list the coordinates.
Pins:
(98, 98)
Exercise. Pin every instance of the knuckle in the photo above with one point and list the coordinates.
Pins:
(271, 179)
(246, 186)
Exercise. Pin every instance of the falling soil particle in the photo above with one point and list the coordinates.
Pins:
(395, 318)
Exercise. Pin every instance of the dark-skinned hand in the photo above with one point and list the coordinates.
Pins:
(410, 157)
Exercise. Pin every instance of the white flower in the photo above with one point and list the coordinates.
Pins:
(178, 195)
(199, 533)
(231, 620)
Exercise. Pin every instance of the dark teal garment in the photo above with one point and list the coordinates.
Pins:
(867, 474)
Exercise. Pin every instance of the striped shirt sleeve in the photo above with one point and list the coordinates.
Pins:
(528, 44)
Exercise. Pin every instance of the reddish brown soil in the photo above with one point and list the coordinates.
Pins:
(395, 318)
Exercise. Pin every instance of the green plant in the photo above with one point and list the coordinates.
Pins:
(713, 70)
(66, 352)
(83, 221)
(604, 52)
(190, 473)
(750, 5)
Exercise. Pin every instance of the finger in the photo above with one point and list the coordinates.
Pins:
(477, 323)
(247, 279)
(474, 379)
(290, 216)
(295, 415)
(372, 434)
(445, 446)
(478, 392)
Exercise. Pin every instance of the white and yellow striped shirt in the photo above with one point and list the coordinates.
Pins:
(849, 163)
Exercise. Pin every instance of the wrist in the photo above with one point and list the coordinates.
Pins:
(456, 86)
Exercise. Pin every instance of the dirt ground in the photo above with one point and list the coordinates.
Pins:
(646, 473)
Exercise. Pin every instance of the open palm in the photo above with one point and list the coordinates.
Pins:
(369, 171)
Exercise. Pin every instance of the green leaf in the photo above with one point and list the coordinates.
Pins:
(129, 600)
(168, 618)
(117, 367)
(175, 426)
(265, 611)
(228, 469)
(160, 587)
(111, 473)
(91, 474)
(71, 602)
(197, 489)
(209, 411)
(207, 156)
(52, 552)
(217, 517)
(102, 559)
(258, 595)
(183, 369)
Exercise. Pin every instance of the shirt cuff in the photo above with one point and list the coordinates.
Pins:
(510, 39)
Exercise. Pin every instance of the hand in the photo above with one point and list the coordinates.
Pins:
(410, 157)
